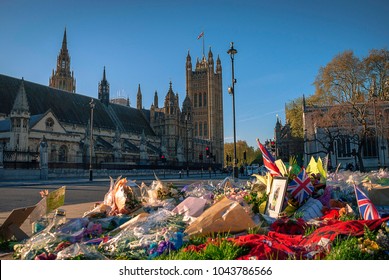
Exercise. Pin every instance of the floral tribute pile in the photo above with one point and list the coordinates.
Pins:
(161, 221)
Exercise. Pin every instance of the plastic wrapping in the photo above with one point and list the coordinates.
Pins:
(121, 198)
(200, 189)
(191, 207)
(79, 230)
(41, 242)
(79, 251)
(156, 194)
(141, 232)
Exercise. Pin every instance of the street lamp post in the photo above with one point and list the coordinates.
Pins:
(92, 106)
(376, 134)
(231, 90)
(187, 118)
(382, 139)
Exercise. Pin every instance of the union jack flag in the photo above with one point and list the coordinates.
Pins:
(367, 209)
(301, 187)
(200, 35)
(268, 161)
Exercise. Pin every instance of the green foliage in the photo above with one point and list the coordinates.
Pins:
(131, 255)
(347, 249)
(357, 248)
(221, 249)
(6, 246)
(255, 199)
(309, 230)
(298, 215)
(259, 229)
(348, 217)
(252, 154)
(294, 115)
(369, 234)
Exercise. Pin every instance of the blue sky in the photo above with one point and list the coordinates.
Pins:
(281, 46)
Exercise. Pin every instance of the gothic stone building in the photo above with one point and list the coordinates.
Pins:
(31, 113)
(343, 145)
(287, 145)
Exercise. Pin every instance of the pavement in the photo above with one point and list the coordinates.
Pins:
(73, 180)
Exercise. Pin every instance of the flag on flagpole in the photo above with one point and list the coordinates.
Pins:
(268, 161)
(367, 209)
(301, 186)
(200, 35)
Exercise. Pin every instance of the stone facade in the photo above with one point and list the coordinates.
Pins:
(286, 145)
(204, 89)
(343, 146)
(31, 112)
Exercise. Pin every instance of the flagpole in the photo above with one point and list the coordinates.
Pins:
(203, 43)
(201, 35)
(356, 197)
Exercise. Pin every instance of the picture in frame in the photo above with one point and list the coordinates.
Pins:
(276, 196)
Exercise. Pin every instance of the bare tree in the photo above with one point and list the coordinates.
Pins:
(342, 84)
(377, 67)
(355, 88)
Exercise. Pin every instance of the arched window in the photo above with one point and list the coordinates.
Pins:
(196, 129)
(200, 129)
(200, 100)
(205, 99)
(370, 149)
(344, 148)
(53, 153)
(195, 100)
(205, 129)
(49, 124)
(63, 154)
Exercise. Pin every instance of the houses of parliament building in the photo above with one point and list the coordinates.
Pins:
(78, 129)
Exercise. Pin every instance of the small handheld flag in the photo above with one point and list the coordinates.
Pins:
(301, 187)
(367, 209)
(268, 160)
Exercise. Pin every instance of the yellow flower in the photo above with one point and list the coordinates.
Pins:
(374, 246)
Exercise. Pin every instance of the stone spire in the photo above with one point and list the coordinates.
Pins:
(20, 117)
(156, 99)
(20, 106)
(62, 78)
(139, 99)
(104, 90)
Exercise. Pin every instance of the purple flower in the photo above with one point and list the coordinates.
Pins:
(165, 245)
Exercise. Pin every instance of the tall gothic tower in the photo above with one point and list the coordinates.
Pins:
(104, 90)
(204, 88)
(62, 78)
(171, 133)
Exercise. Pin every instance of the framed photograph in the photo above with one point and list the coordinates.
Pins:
(276, 196)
